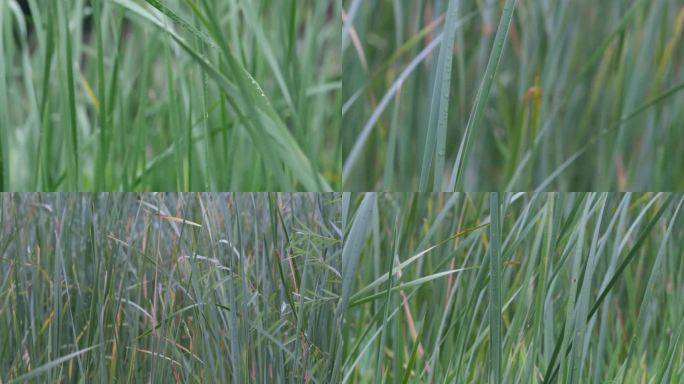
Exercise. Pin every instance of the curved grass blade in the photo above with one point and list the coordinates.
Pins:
(54, 363)
(417, 282)
(351, 252)
(269, 133)
(632, 253)
(351, 157)
(654, 281)
(352, 248)
(396, 270)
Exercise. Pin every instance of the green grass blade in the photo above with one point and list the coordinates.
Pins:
(268, 131)
(415, 258)
(52, 364)
(385, 320)
(351, 252)
(435, 142)
(408, 371)
(496, 343)
(68, 84)
(482, 97)
(355, 151)
(352, 248)
(630, 256)
(102, 110)
(354, 301)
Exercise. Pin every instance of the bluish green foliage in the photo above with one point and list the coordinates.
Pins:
(548, 95)
(168, 288)
(584, 289)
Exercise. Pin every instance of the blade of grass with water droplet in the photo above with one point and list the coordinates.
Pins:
(266, 128)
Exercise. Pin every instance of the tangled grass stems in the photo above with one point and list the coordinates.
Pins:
(168, 287)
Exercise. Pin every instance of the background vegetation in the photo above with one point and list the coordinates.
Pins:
(515, 288)
(513, 95)
(318, 288)
(168, 288)
(169, 95)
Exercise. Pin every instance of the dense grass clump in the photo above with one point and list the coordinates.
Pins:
(483, 95)
(515, 288)
(132, 95)
(169, 288)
